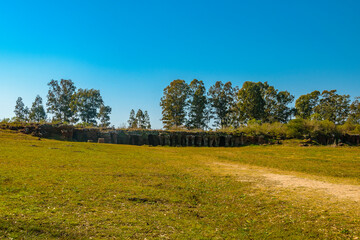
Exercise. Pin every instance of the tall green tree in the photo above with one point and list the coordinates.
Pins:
(140, 119)
(37, 111)
(333, 107)
(355, 111)
(251, 103)
(59, 99)
(198, 105)
(263, 102)
(132, 120)
(174, 103)
(270, 96)
(86, 103)
(20, 111)
(277, 102)
(222, 101)
(26, 112)
(305, 104)
(282, 111)
(147, 120)
(104, 115)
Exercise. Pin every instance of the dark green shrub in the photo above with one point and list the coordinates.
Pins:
(324, 128)
(297, 128)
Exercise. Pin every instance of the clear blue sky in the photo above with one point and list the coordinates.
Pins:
(131, 50)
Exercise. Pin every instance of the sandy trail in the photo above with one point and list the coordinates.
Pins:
(248, 174)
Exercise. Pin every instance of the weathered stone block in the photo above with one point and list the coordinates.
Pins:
(206, 141)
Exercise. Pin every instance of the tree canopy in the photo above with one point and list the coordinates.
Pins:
(139, 120)
(198, 105)
(21, 112)
(86, 104)
(104, 115)
(305, 104)
(221, 99)
(228, 106)
(191, 106)
(355, 111)
(66, 105)
(60, 97)
(37, 111)
(174, 103)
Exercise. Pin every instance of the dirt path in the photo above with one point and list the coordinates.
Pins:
(249, 174)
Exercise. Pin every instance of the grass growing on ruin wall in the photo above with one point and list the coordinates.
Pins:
(294, 129)
(55, 189)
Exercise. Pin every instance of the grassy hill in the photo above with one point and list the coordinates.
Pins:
(56, 189)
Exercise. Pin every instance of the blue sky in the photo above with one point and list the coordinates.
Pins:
(131, 50)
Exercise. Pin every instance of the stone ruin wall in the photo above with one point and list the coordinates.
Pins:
(166, 138)
(162, 138)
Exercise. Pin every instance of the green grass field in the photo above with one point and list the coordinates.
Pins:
(54, 189)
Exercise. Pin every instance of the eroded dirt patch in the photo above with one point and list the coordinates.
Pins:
(256, 174)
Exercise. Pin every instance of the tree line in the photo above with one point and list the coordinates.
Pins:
(192, 106)
(228, 106)
(66, 105)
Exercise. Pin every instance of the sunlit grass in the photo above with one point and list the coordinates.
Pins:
(54, 189)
